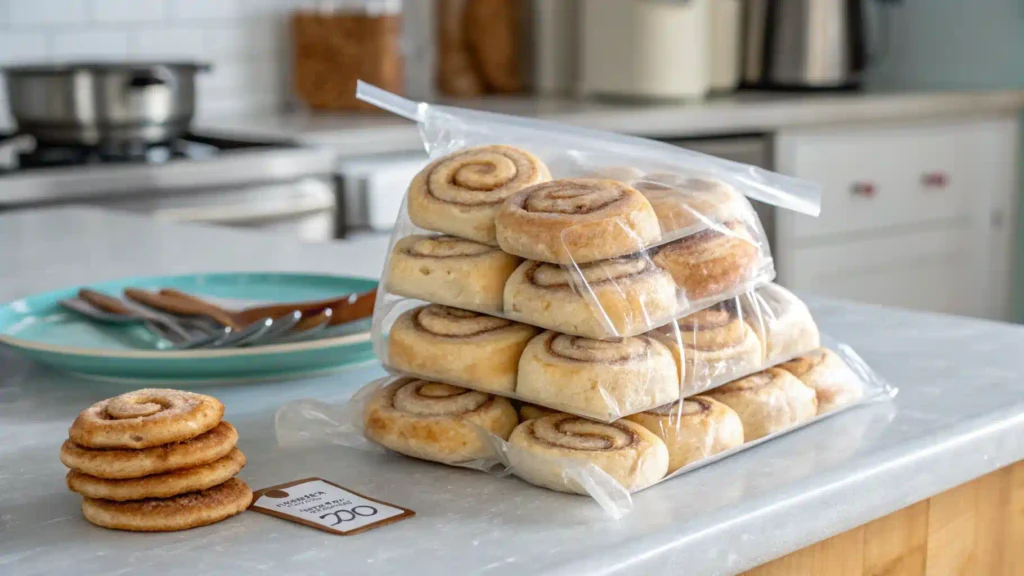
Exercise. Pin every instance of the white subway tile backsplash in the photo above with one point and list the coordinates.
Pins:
(107, 45)
(19, 48)
(205, 9)
(168, 43)
(111, 11)
(47, 12)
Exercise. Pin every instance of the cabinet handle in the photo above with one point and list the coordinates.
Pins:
(864, 189)
(935, 180)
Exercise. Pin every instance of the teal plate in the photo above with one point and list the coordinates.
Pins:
(39, 328)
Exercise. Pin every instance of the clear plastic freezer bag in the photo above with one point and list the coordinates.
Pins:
(603, 380)
(584, 232)
(567, 453)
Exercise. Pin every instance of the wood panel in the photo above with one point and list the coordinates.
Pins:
(975, 529)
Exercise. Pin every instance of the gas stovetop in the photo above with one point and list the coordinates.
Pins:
(31, 174)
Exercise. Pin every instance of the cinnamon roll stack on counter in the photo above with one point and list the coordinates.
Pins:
(833, 382)
(693, 429)
(461, 193)
(576, 221)
(543, 450)
(608, 299)
(713, 346)
(715, 261)
(684, 202)
(437, 422)
(784, 320)
(597, 378)
(452, 271)
(768, 402)
(454, 345)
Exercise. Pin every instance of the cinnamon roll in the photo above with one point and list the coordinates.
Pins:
(682, 202)
(833, 382)
(600, 379)
(576, 221)
(784, 322)
(450, 270)
(712, 346)
(543, 452)
(146, 418)
(461, 193)
(607, 299)
(712, 262)
(768, 402)
(434, 421)
(458, 346)
(693, 429)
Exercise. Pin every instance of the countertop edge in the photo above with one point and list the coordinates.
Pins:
(970, 446)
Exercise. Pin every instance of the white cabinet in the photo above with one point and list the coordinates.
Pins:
(919, 216)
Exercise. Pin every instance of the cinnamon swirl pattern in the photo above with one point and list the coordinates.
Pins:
(711, 262)
(768, 402)
(713, 346)
(693, 429)
(600, 379)
(145, 418)
(684, 202)
(784, 320)
(833, 382)
(452, 271)
(458, 346)
(434, 421)
(608, 299)
(576, 221)
(460, 194)
(545, 451)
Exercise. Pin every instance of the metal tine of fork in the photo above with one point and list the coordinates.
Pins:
(281, 326)
(311, 333)
(239, 337)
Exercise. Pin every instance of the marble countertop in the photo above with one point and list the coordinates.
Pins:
(373, 133)
(959, 415)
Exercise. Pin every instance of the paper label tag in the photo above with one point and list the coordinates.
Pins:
(325, 506)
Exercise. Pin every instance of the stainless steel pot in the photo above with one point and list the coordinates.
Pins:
(93, 104)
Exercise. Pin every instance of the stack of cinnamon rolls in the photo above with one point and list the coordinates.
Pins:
(629, 317)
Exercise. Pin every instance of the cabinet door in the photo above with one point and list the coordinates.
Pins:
(888, 189)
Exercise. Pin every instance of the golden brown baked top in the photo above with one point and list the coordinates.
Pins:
(425, 398)
(695, 407)
(755, 382)
(482, 176)
(532, 411)
(583, 349)
(145, 418)
(445, 246)
(715, 328)
(573, 196)
(707, 242)
(594, 273)
(455, 322)
(576, 433)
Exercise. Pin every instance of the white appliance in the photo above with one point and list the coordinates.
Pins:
(649, 49)
(372, 189)
(726, 44)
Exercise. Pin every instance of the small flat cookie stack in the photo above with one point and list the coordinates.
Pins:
(155, 460)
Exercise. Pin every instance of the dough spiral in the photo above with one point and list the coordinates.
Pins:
(602, 379)
(682, 202)
(693, 429)
(460, 194)
(768, 402)
(542, 450)
(712, 262)
(459, 346)
(145, 418)
(450, 270)
(576, 221)
(435, 421)
(607, 299)
(834, 383)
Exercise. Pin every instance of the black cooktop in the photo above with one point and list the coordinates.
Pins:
(19, 154)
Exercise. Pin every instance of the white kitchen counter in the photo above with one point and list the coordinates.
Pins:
(373, 133)
(959, 415)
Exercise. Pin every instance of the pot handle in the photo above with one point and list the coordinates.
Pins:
(143, 78)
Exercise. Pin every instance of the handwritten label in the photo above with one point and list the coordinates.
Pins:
(325, 506)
